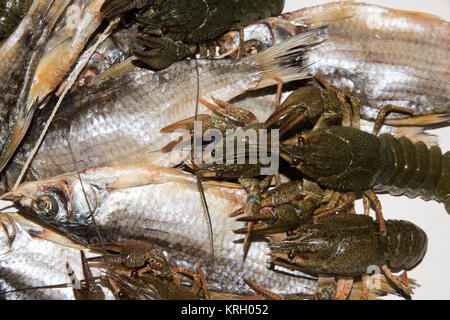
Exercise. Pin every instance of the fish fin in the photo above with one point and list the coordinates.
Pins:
(118, 176)
(422, 120)
(330, 14)
(417, 14)
(286, 60)
(121, 68)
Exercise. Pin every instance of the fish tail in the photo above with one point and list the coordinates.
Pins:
(287, 60)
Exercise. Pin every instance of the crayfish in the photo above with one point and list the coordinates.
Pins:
(171, 29)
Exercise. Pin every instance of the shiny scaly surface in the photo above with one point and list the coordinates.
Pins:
(381, 55)
(32, 255)
(162, 205)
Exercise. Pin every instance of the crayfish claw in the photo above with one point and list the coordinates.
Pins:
(164, 51)
(263, 215)
(114, 8)
(237, 212)
(111, 246)
(285, 118)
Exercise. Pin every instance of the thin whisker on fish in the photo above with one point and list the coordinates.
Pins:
(199, 182)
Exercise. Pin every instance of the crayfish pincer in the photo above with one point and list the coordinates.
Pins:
(170, 27)
(346, 245)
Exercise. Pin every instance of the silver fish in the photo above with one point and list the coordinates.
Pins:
(19, 57)
(33, 256)
(163, 206)
(381, 55)
(116, 118)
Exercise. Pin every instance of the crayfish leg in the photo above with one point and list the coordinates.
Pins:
(365, 287)
(366, 205)
(334, 206)
(384, 112)
(198, 278)
(240, 52)
(344, 286)
(396, 280)
(279, 91)
(374, 199)
(264, 292)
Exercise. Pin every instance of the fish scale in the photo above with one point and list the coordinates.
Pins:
(116, 118)
(167, 211)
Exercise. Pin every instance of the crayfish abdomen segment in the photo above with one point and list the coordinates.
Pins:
(413, 169)
(405, 244)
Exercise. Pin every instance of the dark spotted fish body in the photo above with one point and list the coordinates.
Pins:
(11, 13)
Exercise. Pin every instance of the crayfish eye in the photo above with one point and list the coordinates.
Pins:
(46, 205)
(122, 294)
(291, 254)
(296, 161)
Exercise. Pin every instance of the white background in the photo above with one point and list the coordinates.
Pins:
(433, 274)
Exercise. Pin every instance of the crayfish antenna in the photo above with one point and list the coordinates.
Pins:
(199, 182)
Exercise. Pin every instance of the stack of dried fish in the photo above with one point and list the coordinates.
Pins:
(101, 176)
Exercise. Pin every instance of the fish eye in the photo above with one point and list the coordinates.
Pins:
(296, 161)
(122, 294)
(300, 140)
(46, 205)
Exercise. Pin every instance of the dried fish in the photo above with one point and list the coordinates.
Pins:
(381, 55)
(11, 13)
(19, 57)
(33, 256)
(160, 205)
(62, 50)
(117, 118)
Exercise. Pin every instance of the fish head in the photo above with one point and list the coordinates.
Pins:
(59, 201)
